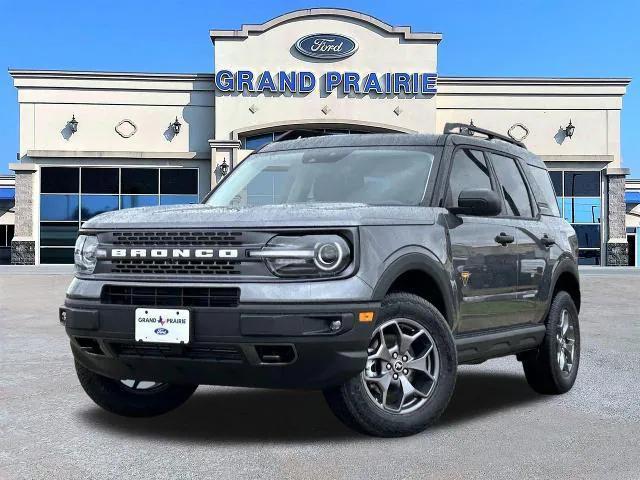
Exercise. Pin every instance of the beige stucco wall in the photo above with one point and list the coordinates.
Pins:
(100, 101)
(544, 106)
(379, 51)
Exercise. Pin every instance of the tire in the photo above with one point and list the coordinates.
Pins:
(551, 369)
(360, 402)
(129, 401)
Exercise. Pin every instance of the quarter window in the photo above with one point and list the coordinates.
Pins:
(543, 191)
(469, 171)
(513, 186)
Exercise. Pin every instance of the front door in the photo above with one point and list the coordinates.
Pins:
(483, 251)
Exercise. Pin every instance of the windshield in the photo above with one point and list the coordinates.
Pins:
(370, 175)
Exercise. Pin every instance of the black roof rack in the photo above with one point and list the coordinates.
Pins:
(464, 129)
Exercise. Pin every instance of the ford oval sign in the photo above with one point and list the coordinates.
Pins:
(161, 331)
(326, 46)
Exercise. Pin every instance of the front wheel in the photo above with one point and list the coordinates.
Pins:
(133, 398)
(552, 369)
(410, 372)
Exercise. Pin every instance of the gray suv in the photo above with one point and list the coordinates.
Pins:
(367, 266)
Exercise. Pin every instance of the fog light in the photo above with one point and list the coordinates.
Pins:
(335, 325)
(63, 316)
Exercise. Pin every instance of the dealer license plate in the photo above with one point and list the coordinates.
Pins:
(162, 325)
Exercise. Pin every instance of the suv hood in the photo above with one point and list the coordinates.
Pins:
(307, 215)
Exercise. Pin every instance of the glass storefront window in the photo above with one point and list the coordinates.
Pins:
(556, 179)
(582, 209)
(589, 257)
(139, 180)
(59, 207)
(588, 235)
(59, 179)
(256, 141)
(71, 195)
(132, 201)
(56, 255)
(93, 205)
(178, 181)
(579, 200)
(6, 234)
(581, 184)
(55, 234)
(178, 199)
(100, 180)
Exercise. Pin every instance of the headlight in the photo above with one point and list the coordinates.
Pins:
(305, 256)
(84, 254)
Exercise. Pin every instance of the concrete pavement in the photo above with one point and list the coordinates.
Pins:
(495, 427)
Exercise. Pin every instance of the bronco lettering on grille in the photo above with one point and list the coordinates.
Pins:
(214, 253)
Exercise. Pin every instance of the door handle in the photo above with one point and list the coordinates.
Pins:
(547, 241)
(504, 239)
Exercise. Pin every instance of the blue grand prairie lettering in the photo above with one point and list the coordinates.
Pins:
(388, 83)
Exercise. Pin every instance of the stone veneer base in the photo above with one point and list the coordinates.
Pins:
(23, 252)
(617, 254)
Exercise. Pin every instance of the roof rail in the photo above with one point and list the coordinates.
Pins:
(465, 129)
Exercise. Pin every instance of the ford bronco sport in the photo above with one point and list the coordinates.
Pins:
(368, 266)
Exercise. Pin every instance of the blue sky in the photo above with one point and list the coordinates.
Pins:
(492, 38)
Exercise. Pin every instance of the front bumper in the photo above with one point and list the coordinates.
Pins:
(283, 345)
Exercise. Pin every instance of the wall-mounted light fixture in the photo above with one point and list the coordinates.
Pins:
(224, 168)
(73, 124)
(175, 126)
(467, 131)
(569, 129)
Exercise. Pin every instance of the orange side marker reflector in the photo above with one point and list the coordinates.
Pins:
(366, 317)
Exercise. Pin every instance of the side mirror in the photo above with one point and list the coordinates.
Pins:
(480, 202)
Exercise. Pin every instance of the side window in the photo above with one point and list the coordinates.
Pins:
(513, 186)
(543, 191)
(468, 171)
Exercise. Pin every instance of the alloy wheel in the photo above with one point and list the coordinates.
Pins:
(565, 342)
(402, 366)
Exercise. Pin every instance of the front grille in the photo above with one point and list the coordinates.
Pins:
(170, 296)
(220, 353)
(177, 238)
(176, 267)
(141, 265)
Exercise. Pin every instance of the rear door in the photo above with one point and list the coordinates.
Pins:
(482, 250)
(532, 236)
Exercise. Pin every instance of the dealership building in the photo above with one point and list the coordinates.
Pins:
(97, 141)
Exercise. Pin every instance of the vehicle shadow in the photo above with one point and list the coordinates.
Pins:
(231, 415)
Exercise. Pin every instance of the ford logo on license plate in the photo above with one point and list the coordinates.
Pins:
(161, 331)
(326, 46)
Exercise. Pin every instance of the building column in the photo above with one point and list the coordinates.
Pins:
(617, 246)
(222, 151)
(23, 245)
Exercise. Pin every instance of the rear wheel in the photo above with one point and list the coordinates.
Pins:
(552, 369)
(409, 375)
(133, 398)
